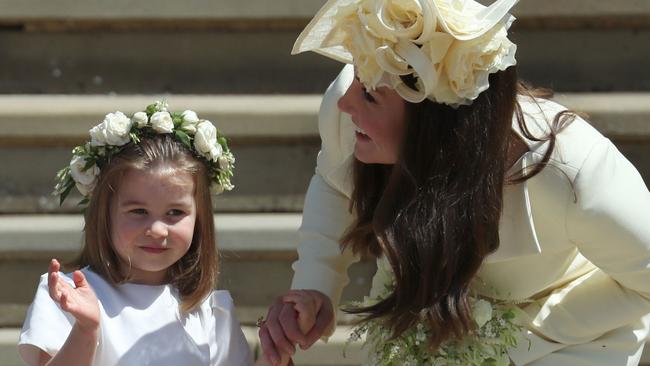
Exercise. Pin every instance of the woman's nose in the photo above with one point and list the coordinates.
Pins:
(158, 229)
(345, 103)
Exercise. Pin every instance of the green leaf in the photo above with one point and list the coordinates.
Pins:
(185, 139)
(177, 121)
(65, 194)
(223, 142)
(151, 109)
(83, 202)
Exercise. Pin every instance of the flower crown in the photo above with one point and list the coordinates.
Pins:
(109, 138)
(449, 46)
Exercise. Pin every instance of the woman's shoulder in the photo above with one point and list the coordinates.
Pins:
(575, 138)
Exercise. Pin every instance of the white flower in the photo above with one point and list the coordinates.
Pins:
(190, 120)
(85, 180)
(216, 188)
(161, 106)
(205, 141)
(162, 122)
(97, 136)
(140, 119)
(482, 312)
(224, 163)
(116, 127)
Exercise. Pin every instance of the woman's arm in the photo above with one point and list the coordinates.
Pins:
(610, 225)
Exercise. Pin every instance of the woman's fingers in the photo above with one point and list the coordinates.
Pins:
(324, 318)
(79, 279)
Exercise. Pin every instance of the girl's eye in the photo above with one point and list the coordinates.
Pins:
(138, 211)
(368, 96)
(175, 212)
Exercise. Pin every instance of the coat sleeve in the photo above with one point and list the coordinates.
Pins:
(610, 225)
(321, 264)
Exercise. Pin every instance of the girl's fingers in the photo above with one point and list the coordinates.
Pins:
(79, 279)
(276, 331)
(268, 348)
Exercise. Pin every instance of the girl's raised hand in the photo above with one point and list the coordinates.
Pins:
(80, 301)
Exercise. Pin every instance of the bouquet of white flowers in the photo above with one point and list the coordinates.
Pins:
(487, 345)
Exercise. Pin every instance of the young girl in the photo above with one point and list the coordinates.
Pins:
(466, 185)
(144, 292)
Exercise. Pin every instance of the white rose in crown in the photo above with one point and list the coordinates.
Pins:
(482, 312)
(140, 119)
(162, 122)
(85, 180)
(205, 141)
(116, 127)
(97, 136)
(190, 120)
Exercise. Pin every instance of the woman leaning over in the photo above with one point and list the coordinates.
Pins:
(462, 181)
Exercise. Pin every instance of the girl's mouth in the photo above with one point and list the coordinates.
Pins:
(154, 250)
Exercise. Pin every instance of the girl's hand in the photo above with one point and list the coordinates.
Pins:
(281, 331)
(80, 301)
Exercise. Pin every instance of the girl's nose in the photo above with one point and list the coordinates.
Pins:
(157, 230)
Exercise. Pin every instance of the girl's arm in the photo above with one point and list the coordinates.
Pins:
(81, 302)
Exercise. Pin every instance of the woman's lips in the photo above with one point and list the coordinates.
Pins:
(154, 250)
(360, 135)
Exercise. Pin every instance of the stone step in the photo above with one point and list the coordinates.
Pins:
(32, 11)
(251, 245)
(237, 47)
(321, 354)
(259, 61)
(275, 139)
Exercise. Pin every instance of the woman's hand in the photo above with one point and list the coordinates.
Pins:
(80, 301)
(282, 328)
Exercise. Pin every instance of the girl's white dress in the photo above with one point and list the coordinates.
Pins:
(141, 325)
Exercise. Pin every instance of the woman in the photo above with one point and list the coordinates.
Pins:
(436, 160)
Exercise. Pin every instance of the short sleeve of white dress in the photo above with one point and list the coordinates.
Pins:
(46, 325)
(227, 342)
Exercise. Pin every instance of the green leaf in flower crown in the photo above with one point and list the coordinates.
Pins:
(178, 120)
(151, 109)
(66, 192)
(223, 142)
(90, 161)
(83, 202)
(134, 137)
(185, 139)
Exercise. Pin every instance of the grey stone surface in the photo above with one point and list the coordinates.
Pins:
(268, 177)
(260, 62)
(263, 9)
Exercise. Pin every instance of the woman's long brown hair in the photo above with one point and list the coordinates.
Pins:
(435, 213)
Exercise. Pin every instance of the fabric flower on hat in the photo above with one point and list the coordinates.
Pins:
(450, 47)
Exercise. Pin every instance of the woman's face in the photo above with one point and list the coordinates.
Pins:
(380, 117)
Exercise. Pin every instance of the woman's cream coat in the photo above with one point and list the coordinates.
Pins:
(575, 239)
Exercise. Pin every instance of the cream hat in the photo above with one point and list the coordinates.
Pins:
(450, 46)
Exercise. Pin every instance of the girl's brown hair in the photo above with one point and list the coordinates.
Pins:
(195, 274)
(435, 213)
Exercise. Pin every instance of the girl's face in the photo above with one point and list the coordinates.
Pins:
(380, 117)
(152, 223)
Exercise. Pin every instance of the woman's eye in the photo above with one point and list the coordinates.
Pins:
(367, 95)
